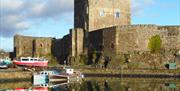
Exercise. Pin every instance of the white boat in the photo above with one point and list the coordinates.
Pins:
(29, 61)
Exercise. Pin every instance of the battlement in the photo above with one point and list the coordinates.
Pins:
(31, 37)
(139, 27)
(169, 28)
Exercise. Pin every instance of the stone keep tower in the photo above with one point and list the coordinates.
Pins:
(96, 14)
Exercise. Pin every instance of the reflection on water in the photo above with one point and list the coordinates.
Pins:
(103, 84)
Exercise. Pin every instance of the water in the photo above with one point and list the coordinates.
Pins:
(103, 84)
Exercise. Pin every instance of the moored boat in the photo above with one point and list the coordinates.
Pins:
(4, 63)
(29, 61)
(31, 89)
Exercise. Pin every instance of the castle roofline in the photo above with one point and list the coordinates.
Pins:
(31, 36)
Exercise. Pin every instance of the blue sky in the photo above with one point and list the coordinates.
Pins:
(54, 18)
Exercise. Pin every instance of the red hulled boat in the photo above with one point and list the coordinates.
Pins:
(29, 61)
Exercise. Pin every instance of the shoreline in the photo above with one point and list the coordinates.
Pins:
(132, 75)
(14, 74)
(129, 73)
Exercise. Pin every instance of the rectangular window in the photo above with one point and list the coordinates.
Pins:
(25, 59)
(102, 13)
(117, 14)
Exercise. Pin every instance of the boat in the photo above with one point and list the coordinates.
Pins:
(4, 63)
(29, 61)
(31, 89)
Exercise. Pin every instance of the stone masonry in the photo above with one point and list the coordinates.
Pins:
(26, 46)
(129, 38)
(96, 14)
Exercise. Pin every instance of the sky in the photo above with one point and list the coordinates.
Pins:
(54, 18)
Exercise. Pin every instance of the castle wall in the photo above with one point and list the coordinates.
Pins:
(23, 46)
(66, 46)
(26, 46)
(108, 13)
(42, 46)
(80, 14)
(57, 49)
(70, 45)
(171, 37)
(62, 48)
(95, 40)
(129, 38)
(77, 41)
(134, 37)
(109, 40)
(93, 14)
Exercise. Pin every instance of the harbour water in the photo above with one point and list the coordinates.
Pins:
(101, 84)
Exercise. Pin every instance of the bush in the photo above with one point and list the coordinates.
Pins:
(155, 43)
(52, 60)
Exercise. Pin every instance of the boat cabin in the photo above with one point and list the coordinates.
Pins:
(31, 59)
(69, 71)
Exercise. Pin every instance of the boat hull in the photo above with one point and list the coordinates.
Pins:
(43, 64)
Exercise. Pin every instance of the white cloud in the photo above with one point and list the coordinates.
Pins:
(138, 6)
(10, 5)
(19, 15)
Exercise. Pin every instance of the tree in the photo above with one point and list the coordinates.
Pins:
(155, 43)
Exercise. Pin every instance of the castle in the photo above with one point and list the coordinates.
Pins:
(101, 25)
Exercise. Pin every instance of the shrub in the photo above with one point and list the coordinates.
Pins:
(155, 43)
